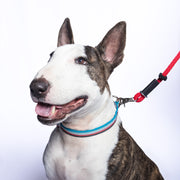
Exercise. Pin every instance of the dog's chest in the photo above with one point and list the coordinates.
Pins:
(78, 166)
(84, 159)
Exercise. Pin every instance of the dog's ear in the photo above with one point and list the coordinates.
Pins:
(65, 34)
(112, 46)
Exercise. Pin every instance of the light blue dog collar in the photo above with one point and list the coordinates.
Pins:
(92, 132)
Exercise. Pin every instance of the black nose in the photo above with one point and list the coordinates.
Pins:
(39, 87)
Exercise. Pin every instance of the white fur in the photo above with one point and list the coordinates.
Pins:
(72, 158)
(69, 80)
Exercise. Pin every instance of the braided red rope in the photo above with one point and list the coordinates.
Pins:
(171, 65)
(141, 95)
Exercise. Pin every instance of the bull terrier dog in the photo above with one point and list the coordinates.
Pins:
(72, 93)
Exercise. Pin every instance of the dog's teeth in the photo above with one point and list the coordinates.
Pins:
(59, 107)
(53, 110)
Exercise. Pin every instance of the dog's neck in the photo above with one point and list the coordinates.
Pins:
(98, 117)
(95, 131)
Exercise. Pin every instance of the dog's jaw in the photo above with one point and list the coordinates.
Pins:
(52, 114)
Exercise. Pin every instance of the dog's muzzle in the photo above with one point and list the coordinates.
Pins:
(52, 113)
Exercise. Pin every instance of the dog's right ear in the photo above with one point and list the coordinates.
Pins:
(65, 34)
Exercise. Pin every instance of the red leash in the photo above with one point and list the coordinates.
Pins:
(162, 76)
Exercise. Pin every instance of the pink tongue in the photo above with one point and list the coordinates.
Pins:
(44, 110)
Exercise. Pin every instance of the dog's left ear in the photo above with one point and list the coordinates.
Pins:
(112, 46)
(65, 34)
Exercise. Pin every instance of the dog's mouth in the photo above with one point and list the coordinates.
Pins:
(52, 114)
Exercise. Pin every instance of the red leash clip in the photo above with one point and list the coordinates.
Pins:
(153, 84)
(139, 97)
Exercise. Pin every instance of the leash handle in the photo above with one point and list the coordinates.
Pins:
(153, 84)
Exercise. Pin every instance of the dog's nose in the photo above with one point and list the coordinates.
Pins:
(39, 87)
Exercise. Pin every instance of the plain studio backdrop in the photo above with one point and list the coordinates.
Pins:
(28, 34)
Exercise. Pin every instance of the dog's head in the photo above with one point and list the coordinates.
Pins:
(75, 78)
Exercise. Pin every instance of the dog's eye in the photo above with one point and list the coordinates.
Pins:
(51, 54)
(81, 60)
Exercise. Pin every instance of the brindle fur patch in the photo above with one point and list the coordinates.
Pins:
(96, 68)
(129, 162)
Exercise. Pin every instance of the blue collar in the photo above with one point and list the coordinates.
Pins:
(92, 132)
